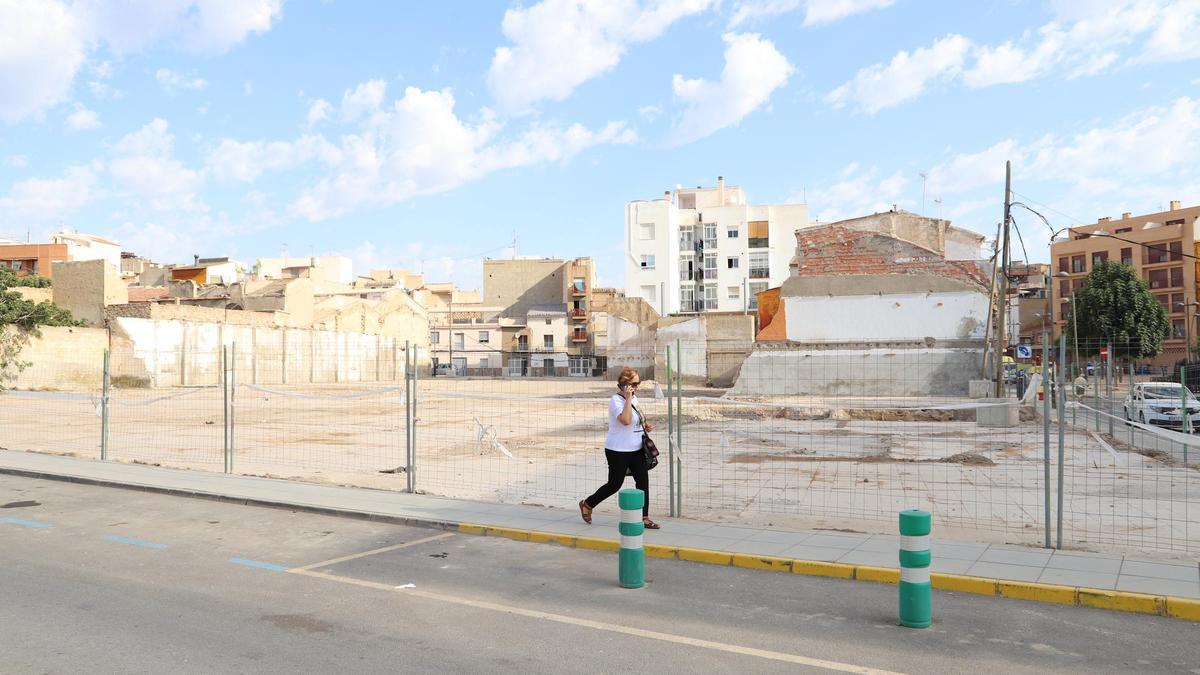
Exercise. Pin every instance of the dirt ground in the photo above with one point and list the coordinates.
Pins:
(847, 464)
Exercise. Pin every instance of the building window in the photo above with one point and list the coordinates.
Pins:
(1177, 329)
(548, 341)
(756, 288)
(484, 363)
(1127, 256)
(484, 336)
(435, 337)
(1165, 301)
(1158, 252)
(1176, 301)
(1123, 230)
(647, 231)
(687, 298)
(460, 341)
(1077, 263)
(1176, 251)
(758, 232)
(731, 232)
(648, 262)
(1158, 278)
(731, 263)
(710, 296)
(686, 239)
(1174, 222)
(579, 286)
(735, 293)
(710, 235)
(759, 265)
(1176, 277)
(650, 293)
(710, 267)
(1099, 257)
(1064, 288)
(548, 321)
(1064, 264)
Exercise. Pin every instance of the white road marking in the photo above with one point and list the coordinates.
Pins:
(385, 549)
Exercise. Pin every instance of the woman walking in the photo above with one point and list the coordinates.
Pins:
(623, 448)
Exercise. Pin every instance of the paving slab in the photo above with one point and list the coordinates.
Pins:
(1078, 578)
(1158, 570)
(994, 570)
(1187, 589)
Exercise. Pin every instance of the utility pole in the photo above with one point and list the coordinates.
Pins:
(1002, 315)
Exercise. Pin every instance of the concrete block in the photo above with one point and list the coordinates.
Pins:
(979, 388)
(997, 412)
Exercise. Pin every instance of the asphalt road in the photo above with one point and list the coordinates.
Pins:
(106, 580)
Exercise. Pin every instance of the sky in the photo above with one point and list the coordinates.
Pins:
(431, 135)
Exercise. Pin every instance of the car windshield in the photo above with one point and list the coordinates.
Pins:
(1165, 391)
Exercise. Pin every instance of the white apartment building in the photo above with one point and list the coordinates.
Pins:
(706, 249)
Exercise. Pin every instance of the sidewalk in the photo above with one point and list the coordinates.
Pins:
(1111, 581)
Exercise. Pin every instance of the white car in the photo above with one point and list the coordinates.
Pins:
(1160, 404)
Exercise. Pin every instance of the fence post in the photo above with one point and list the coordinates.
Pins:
(1045, 384)
(679, 430)
(104, 408)
(670, 440)
(1130, 421)
(412, 457)
(408, 450)
(1062, 357)
(225, 406)
(1108, 360)
(232, 401)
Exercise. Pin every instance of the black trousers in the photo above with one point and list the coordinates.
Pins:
(618, 462)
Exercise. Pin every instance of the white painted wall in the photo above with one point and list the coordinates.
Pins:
(337, 268)
(878, 318)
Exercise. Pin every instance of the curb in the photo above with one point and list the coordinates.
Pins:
(1187, 609)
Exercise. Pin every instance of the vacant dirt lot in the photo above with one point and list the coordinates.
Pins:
(838, 464)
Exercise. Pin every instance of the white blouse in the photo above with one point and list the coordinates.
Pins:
(623, 438)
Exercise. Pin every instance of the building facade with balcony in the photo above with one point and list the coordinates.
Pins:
(706, 249)
(1155, 245)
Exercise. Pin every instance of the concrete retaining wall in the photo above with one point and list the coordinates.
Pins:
(798, 371)
(62, 359)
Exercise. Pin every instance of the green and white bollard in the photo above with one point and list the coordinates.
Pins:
(632, 563)
(915, 589)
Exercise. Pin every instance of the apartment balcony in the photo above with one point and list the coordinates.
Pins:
(578, 290)
(522, 347)
(579, 336)
(760, 273)
(578, 314)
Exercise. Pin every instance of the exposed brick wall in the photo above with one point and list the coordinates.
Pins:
(834, 250)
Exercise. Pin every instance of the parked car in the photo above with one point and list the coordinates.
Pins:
(1160, 404)
(446, 369)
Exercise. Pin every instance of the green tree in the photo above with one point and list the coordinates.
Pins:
(20, 318)
(1115, 305)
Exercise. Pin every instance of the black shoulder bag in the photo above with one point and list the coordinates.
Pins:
(649, 449)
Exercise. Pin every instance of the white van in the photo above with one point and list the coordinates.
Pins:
(1160, 404)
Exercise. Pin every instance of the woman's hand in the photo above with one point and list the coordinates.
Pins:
(627, 393)
(648, 427)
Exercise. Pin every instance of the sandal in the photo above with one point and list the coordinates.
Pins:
(585, 511)
(650, 524)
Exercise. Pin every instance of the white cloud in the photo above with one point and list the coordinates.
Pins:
(558, 45)
(247, 88)
(318, 111)
(754, 69)
(362, 100)
(816, 11)
(857, 193)
(233, 160)
(649, 112)
(46, 200)
(418, 145)
(44, 44)
(17, 161)
(904, 78)
(143, 170)
(1087, 37)
(82, 119)
(41, 49)
(172, 81)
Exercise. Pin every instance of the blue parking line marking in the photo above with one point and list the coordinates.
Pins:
(26, 523)
(257, 564)
(132, 542)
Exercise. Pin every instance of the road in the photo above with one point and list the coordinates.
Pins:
(108, 580)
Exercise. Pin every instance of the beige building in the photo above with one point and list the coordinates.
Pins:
(1154, 245)
(87, 287)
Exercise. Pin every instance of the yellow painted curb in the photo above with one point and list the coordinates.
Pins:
(660, 551)
(552, 538)
(702, 556)
(759, 562)
(882, 575)
(508, 533)
(1122, 601)
(823, 569)
(596, 544)
(1059, 595)
(1183, 608)
(955, 582)
(468, 528)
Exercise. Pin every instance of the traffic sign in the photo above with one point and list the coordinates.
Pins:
(1024, 351)
(1104, 353)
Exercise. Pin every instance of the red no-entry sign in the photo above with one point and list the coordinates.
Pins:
(1104, 353)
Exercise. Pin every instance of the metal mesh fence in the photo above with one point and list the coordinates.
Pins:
(822, 435)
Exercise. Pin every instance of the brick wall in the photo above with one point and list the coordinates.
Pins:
(833, 250)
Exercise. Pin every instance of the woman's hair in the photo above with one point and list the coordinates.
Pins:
(626, 376)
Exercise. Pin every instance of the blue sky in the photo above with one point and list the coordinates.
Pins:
(423, 135)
